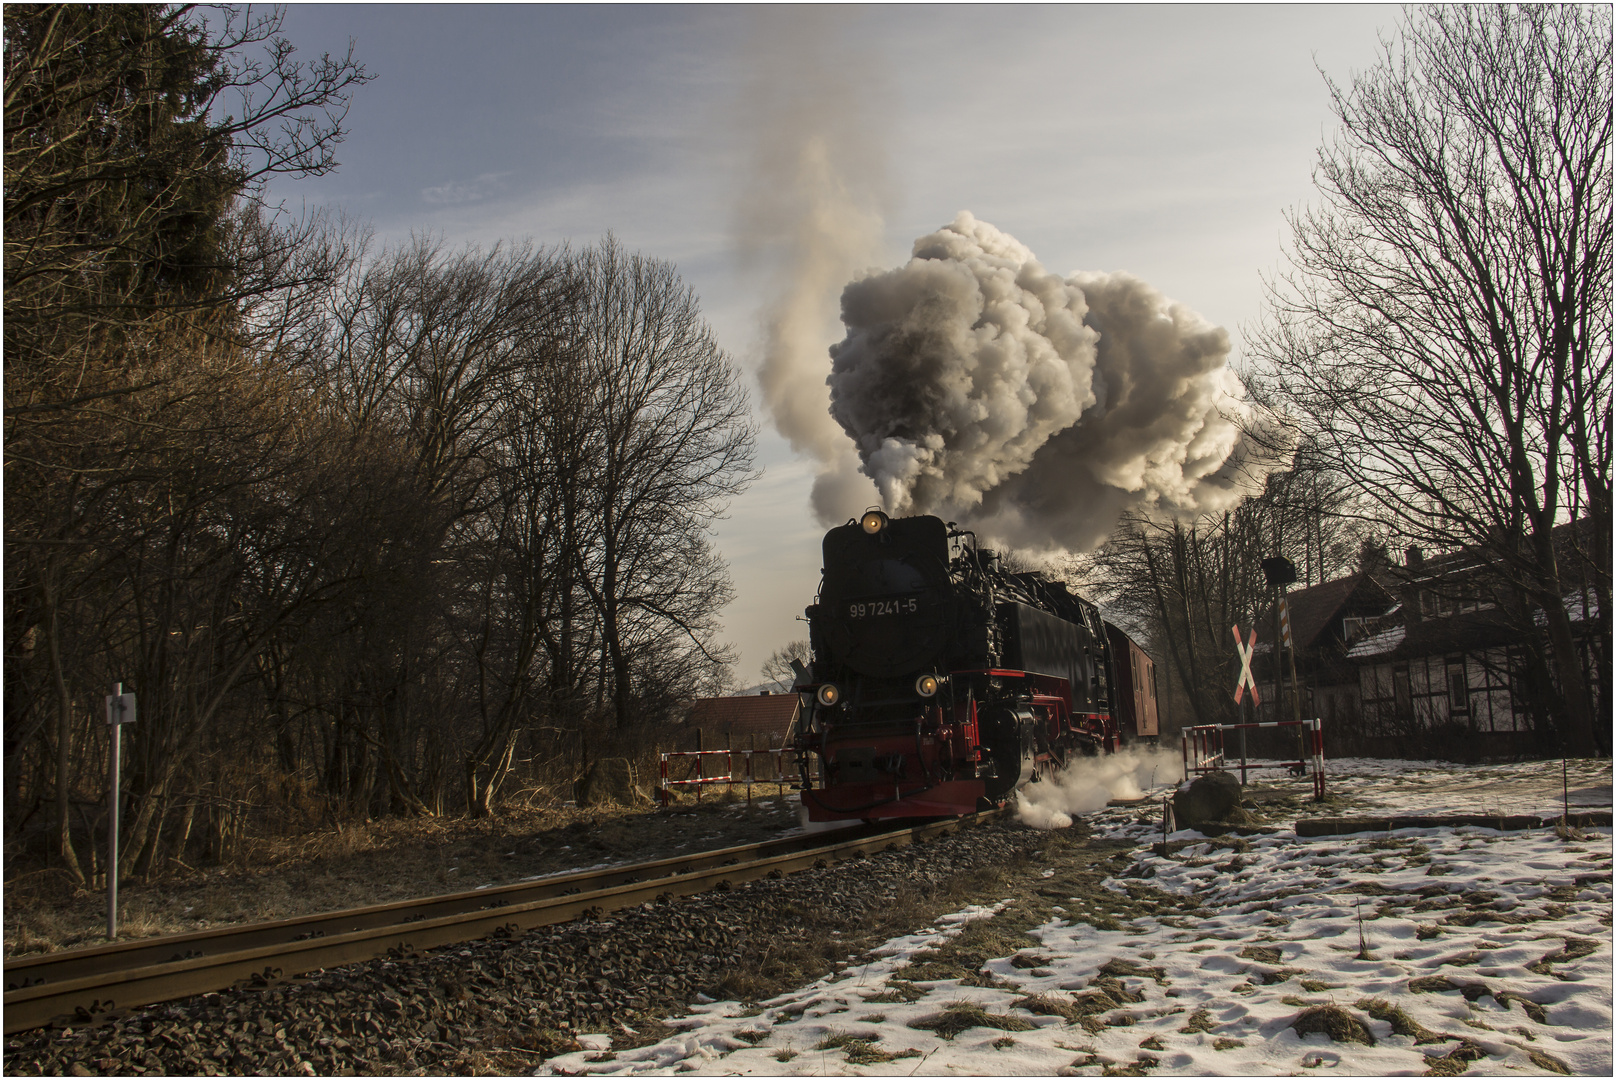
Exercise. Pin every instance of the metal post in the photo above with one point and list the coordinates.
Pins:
(1279, 643)
(1243, 742)
(114, 721)
(112, 836)
(1318, 760)
(1565, 792)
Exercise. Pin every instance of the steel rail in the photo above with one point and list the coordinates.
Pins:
(81, 984)
(141, 952)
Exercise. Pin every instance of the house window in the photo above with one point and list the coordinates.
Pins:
(1458, 689)
(1402, 694)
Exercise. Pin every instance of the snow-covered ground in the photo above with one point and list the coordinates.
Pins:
(1481, 950)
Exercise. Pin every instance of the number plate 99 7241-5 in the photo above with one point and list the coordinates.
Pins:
(870, 609)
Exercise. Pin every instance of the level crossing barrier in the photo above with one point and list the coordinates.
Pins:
(1203, 750)
(698, 762)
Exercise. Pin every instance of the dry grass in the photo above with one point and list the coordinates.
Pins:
(1456, 1061)
(962, 956)
(961, 1016)
(1200, 1020)
(861, 1049)
(377, 862)
(1335, 1022)
(1401, 1022)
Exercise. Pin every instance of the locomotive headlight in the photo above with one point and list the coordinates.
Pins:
(873, 521)
(828, 694)
(926, 686)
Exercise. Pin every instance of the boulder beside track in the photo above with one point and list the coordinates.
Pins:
(1208, 798)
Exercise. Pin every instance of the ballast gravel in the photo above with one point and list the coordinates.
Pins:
(460, 1008)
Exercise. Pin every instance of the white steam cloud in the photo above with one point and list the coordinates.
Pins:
(1088, 783)
(813, 206)
(978, 385)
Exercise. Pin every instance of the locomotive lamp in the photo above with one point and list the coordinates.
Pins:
(828, 694)
(873, 521)
(926, 685)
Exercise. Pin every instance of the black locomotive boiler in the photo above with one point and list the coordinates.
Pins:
(940, 683)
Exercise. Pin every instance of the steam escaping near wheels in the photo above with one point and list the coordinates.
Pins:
(1088, 783)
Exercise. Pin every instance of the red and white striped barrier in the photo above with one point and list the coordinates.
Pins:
(666, 783)
(1203, 749)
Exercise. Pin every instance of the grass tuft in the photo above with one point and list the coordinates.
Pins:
(1049, 1005)
(1456, 1061)
(1118, 967)
(1401, 1022)
(897, 992)
(1335, 1022)
(1547, 1062)
(1200, 1020)
(1140, 1067)
(963, 1015)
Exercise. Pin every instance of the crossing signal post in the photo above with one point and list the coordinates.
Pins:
(1281, 572)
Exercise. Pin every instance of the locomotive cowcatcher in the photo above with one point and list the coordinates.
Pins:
(941, 683)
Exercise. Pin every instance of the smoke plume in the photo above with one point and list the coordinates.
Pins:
(978, 385)
(812, 207)
(1087, 784)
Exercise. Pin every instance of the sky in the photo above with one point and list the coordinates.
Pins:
(1163, 140)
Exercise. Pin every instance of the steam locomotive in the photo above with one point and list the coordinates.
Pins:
(941, 683)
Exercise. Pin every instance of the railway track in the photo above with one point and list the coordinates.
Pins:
(82, 985)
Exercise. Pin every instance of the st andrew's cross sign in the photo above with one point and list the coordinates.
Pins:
(1245, 650)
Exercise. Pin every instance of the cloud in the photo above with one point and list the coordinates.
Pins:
(465, 191)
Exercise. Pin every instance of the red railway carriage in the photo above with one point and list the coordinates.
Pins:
(940, 682)
(1136, 684)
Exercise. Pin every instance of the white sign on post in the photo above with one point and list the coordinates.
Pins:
(120, 708)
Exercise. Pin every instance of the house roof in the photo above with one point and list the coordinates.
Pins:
(1401, 640)
(755, 714)
(1575, 545)
(1315, 608)
(1397, 638)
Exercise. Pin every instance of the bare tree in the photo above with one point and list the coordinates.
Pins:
(1184, 583)
(674, 437)
(1445, 328)
(778, 668)
(134, 138)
